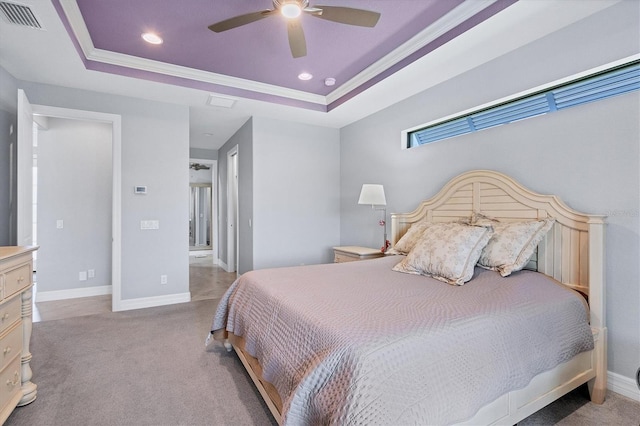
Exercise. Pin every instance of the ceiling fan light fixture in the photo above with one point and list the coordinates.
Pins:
(152, 38)
(291, 10)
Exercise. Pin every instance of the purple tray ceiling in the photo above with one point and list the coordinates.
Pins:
(259, 52)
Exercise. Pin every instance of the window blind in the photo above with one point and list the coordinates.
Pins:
(589, 89)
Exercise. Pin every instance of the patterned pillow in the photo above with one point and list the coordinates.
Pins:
(479, 219)
(447, 251)
(410, 238)
(512, 245)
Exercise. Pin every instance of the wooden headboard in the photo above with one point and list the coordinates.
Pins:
(572, 252)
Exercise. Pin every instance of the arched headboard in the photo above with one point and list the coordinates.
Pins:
(572, 252)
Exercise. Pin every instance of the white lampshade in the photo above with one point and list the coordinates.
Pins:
(372, 194)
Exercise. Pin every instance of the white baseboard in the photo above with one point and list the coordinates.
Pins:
(625, 386)
(72, 293)
(200, 252)
(150, 302)
(223, 265)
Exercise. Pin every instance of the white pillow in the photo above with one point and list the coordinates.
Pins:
(447, 252)
(512, 245)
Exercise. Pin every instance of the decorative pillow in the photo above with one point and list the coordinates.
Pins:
(479, 219)
(447, 251)
(410, 238)
(512, 245)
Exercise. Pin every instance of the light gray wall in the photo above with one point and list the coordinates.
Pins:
(155, 152)
(74, 185)
(243, 138)
(587, 155)
(289, 187)
(200, 176)
(296, 193)
(203, 154)
(8, 138)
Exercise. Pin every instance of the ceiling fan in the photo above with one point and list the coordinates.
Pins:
(198, 166)
(292, 9)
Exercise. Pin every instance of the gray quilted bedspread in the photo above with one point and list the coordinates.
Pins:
(357, 343)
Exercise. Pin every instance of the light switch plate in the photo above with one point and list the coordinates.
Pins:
(149, 224)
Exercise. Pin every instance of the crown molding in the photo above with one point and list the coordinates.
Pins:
(119, 59)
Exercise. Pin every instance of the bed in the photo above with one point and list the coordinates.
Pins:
(383, 341)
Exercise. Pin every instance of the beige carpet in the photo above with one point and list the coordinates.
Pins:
(150, 367)
(142, 367)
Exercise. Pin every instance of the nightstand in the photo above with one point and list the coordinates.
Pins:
(353, 253)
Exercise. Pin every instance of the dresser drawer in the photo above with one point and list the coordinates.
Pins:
(10, 312)
(17, 279)
(10, 345)
(10, 384)
(340, 258)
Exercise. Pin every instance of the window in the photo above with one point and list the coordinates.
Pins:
(605, 84)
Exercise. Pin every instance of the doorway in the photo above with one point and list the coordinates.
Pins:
(203, 207)
(115, 250)
(74, 192)
(200, 229)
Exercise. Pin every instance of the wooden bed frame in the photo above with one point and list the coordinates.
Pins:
(572, 253)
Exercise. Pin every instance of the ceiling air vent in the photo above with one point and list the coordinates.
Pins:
(19, 14)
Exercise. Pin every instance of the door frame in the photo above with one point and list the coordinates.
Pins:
(24, 173)
(116, 185)
(233, 211)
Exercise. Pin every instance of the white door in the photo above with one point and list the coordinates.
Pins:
(24, 193)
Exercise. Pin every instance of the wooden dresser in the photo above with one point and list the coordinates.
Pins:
(16, 281)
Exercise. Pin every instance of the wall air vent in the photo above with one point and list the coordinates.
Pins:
(19, 14)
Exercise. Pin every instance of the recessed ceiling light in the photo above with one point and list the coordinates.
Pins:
(305, 76)
(329, 81)
(152, 38)
(290, 10)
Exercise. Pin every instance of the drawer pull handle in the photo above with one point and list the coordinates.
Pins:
(7, 350)
(5, 316)
(20, 279)
(16, 380)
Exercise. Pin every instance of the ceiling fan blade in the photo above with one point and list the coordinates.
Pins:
(312, 10)
(238, 21)
(297, 42)
(348, 15)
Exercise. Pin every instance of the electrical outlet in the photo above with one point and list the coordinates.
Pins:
(163, 279)
(82, 276)
(91, 273)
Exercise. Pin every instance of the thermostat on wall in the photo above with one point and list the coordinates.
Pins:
(140, 189)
